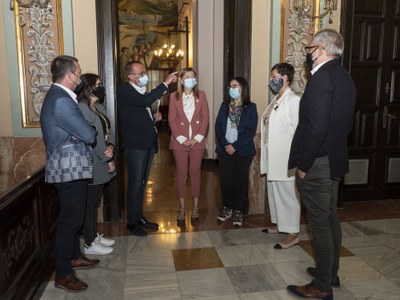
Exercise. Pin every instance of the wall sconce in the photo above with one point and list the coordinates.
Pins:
(305, 7)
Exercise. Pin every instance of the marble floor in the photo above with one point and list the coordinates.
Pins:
(212, 260)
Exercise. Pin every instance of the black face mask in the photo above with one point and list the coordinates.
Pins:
(100, 93)
(78, 87)
(309, 60)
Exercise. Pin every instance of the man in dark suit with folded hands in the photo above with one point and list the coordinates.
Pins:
(139, 139)
(319, 151)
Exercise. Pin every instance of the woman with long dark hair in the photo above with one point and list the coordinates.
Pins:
(235, 128)
(90, 101)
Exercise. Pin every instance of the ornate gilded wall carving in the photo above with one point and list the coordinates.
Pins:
(298, 29)
(38, 27)
(298, 38)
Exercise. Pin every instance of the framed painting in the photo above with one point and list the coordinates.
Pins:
(38, 28)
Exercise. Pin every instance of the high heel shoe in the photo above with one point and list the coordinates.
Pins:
(195, 214)
(181, 215)
(281, 245)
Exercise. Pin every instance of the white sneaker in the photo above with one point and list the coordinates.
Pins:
(224, 214)
(104, 241)
(97, 249)
(237, 218)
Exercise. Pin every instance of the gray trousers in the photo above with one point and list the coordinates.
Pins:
(319, 193)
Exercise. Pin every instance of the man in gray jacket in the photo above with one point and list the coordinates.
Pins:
(67, 136)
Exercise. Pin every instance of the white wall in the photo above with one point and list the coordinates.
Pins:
(209, 47)
(260, 53)
(85, 35)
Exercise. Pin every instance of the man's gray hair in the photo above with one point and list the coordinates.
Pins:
(331, 41)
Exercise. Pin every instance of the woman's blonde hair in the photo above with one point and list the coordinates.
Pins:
(180, 87)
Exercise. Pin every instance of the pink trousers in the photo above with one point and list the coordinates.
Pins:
(188, 161)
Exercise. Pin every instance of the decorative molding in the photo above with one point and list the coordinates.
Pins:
(39, 39)
(301, 28)
(298, 38)
(20, 240)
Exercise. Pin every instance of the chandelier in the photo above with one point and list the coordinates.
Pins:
(169, 55)
(305, 8)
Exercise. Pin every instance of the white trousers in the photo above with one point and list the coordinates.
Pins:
(284, 205)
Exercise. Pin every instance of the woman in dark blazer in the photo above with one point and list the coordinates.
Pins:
(90, 99)
(235, 128)
(188, 119)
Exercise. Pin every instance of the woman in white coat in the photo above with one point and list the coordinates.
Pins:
(278, 124)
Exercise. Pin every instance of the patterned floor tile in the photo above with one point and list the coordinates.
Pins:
(307, 246)
(195, 259)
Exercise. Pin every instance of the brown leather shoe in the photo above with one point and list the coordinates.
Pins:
(310, 291)
(335, 282)
(70, 283)
(84, 263)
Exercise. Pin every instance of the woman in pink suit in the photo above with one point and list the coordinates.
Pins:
(188, 120)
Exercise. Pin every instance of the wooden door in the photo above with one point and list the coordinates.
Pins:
(372, 55)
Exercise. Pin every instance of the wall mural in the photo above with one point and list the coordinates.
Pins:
(39, 39)
(144, 27)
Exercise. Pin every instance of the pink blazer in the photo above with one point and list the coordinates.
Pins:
(179, 123)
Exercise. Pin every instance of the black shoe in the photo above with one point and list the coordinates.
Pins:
(313, 271)
(135, 229)
(146, 224)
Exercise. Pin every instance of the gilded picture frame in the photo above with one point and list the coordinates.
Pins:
(39, 38)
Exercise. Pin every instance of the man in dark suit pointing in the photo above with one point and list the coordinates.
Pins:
(139, 139)
(319, 151)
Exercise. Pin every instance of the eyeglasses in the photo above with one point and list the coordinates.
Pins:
(234, 86)
(140, 73)
(308, 48)
(77, 75)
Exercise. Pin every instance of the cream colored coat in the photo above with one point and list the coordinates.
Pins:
(276, 148)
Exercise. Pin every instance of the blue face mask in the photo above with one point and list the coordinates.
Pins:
(234, 93)
(143, 80)
(189, 83)
(276, 84)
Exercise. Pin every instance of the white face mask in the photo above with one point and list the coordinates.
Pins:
(234, 93)
(189, 83)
